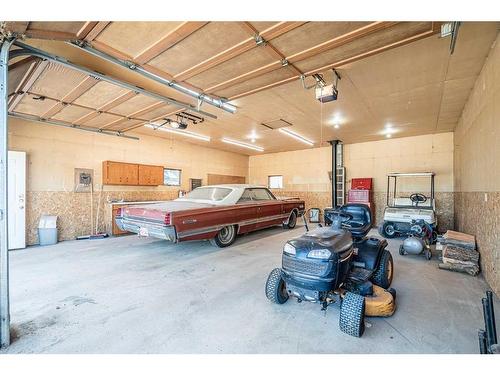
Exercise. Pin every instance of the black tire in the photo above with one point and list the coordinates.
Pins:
(276, 288)
(225, 237)
(401, 250)
(388, 230)
(434, 237)
(385, 270)
(393, 293)
(292, 221)
(428, 254)
(352, 314)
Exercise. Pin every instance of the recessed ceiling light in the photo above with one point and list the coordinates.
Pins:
(388, 135)
(184, 133)
(296, 136)
(242, 144)
(336, 126)
(252, 140)
(388, 125)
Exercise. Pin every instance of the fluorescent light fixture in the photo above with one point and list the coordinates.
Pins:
(296, 136)
(185, 133)
(242, 144)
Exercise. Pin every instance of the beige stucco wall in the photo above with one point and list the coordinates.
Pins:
(477, 167)
(54, 152)
(305, 172)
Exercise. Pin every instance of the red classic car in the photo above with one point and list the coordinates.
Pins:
(216, 213)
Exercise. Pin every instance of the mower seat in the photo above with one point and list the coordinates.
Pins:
(361, 222)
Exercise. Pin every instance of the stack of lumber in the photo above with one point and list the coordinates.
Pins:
(459, 253)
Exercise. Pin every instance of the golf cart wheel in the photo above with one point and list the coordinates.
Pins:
(225, 237)
(384, 271)
(352, 314)
(292, 221)
(276, 287)
(401, 250)
(428, 254)
(388, 230)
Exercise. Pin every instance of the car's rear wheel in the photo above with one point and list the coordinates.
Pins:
(225, 237)
(276, 288)
(352, 314)
(292, 221)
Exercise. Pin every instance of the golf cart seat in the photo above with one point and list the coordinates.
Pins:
(361, 221)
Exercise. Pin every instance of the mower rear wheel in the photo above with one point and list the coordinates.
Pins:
(352, 314)
(388, 230)
(385, 270)
(225, 237)
(276, 288)
(292, 221)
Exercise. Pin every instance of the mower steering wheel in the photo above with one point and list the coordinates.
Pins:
(418, 198)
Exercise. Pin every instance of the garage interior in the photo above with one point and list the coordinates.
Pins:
(96, 100)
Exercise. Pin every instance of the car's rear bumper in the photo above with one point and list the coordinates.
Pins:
(153, 229)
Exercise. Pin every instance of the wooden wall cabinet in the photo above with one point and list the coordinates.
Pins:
(150, 175)
(117, 173)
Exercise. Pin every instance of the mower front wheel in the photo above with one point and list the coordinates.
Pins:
(385, 270)
(352, 314)
(276, 288)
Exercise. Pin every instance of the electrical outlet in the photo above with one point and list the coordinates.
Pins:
(486, 197)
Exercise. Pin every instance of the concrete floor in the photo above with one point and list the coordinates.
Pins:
(136, 295)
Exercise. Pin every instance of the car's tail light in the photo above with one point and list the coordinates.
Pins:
(119, 212)
(167, 218)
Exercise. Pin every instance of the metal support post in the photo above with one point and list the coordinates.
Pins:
(4, 249)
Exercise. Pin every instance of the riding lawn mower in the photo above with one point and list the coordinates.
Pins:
(338, 263)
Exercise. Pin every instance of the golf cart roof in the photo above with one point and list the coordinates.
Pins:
(417, 174)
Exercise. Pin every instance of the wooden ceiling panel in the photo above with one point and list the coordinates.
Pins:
(132, 38)
(135, 104)
(159, 112)
(313, 33)
(57, 81)
(100, 94)
(60, 27)
(71, 113)
(100, 120)
(210, 40)
(243, 63)
(256, 82)
(125, 124)
(31, 106)
(364, 44)
(262, 25)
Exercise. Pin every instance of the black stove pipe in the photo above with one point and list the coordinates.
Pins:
(334, 144)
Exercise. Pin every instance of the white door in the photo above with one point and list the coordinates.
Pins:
(17, 199)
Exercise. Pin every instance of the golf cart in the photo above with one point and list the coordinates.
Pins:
(338, 263)
(403, 211)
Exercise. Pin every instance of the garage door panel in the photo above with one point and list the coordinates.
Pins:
(57, 81)
(100, 94)
(71, 113)
(29, 104)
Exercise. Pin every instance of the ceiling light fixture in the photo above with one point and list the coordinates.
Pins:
(296, 136)
(185, 133)
(242, 144)
(388, 135)
(336, 126)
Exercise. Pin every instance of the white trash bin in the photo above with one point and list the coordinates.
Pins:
(47, 230)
